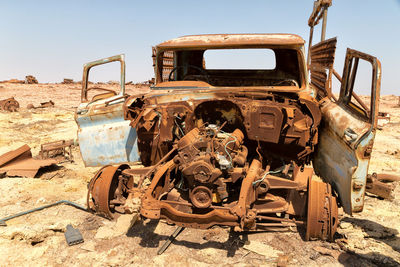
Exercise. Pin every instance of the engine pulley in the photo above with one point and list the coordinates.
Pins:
(201, 197)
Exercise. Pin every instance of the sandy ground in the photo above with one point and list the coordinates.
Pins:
(370, 238)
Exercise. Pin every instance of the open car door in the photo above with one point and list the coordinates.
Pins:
(347, 134)
(104, 136)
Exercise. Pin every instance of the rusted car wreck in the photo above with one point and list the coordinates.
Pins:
(233, 147)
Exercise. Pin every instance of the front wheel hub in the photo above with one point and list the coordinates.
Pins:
(106, 194)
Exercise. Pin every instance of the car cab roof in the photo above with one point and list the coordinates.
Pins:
(219, 41)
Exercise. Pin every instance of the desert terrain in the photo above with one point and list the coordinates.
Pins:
(370, 238)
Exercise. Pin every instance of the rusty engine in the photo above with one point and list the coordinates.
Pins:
(239, 163)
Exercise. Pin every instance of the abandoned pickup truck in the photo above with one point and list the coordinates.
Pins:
(252, 149)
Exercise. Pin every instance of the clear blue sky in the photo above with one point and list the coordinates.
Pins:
(53, 39)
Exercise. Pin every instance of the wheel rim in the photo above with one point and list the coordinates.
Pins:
(101, 190)
(322, 213)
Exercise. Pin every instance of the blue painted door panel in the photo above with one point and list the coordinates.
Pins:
(104, 136)
(347, 136)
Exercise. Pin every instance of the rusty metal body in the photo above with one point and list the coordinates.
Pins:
(233, 147)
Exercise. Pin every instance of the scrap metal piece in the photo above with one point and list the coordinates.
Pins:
(46, 104)
(105, 192)
(9, 104)
(61, 150)
(67, 202)
(170, 240)
(322, 214)
(67, 81)
(168, 62)
(376, 186)
(73, 236)
(321, 68)
(19, 162)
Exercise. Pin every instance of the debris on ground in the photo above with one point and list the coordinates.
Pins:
(67, 81)
(29, 79)
(46, 104)
(67, 202)
(19, 162)
(377, 184)
(73, 236)
(9, 104)
(169, 241)
(60, 150)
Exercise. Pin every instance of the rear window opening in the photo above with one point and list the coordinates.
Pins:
(236, 59)
(235, 67)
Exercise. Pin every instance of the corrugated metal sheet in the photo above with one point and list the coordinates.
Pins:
(322, 59)
(168, 62)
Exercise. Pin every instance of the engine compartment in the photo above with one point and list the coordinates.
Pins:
(283, 125)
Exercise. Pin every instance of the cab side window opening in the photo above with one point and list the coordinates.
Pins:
(357, 94)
